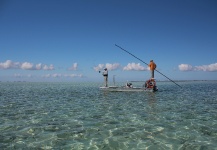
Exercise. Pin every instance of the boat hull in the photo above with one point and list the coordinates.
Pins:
(126, 89)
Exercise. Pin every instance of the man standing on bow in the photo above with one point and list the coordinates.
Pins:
(105, 74)
(152, 67)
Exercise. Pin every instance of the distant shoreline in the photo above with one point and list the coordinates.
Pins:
(176, 80)
(98, 81)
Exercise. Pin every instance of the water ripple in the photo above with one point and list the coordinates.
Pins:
(80, 116)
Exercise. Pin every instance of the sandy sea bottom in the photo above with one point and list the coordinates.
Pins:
(80, 116)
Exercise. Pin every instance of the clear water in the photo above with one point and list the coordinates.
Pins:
(80, 116)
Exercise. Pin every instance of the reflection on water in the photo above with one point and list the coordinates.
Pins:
(79, 116)
(152, 100)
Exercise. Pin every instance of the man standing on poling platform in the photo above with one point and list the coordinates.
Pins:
(152, 67)
(105, 74)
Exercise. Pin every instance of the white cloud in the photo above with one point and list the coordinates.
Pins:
(185, 67)
(45, 67)
(73, 75)
(38, 66)
(47, 76)
(211, 67)
(56, 75)
(99, 67)
(107, 65)
(27, 66)
(112, 66)
(8, 64)
(17, 75)
(74, 66)
(134, 66)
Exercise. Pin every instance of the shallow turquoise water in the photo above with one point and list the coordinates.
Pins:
(80, 116)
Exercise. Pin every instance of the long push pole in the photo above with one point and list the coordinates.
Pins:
(146, 64)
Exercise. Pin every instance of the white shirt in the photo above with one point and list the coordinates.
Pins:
(105, 73)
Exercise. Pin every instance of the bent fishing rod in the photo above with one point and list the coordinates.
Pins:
(146, 64)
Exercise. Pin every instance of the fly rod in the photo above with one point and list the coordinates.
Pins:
(146, 64)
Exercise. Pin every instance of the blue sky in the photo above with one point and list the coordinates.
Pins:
(71, 40)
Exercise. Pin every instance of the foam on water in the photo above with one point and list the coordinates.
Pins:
(80, 116)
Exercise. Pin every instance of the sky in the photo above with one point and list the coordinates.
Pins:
(72, 40)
